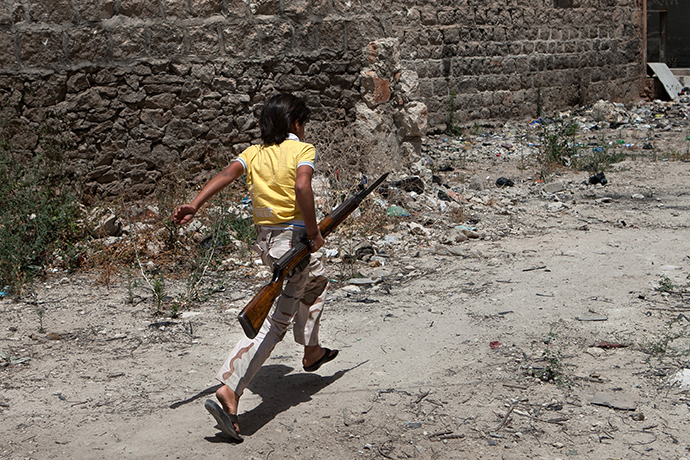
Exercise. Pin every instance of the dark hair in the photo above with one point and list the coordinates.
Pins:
(278, 114)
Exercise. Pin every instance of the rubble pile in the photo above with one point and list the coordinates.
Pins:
(481, 185)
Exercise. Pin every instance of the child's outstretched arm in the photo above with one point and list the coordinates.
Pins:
(305, 200)
(183, 214)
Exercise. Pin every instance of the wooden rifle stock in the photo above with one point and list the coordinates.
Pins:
(253, 315)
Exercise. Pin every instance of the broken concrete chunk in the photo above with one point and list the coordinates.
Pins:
(591, 316)
(624, 401)
(363, 281)
(554, 187)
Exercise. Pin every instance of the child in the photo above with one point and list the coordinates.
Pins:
(279, 173)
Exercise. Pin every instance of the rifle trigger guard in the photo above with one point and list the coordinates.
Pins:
(300, 266)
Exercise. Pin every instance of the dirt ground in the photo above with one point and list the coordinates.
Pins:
(556, 334)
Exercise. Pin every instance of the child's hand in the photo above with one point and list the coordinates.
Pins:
(318, 242)
(184, 214)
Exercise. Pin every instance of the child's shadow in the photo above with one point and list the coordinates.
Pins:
(279, 390)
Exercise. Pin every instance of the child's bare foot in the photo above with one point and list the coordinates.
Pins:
(226, 417)
(230, 401)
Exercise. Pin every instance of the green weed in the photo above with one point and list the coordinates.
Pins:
(599, 158)
(40, 313)
(665, 285)
(452, 129)
(554, 369)
(558, 144)
(665, 346)
(40, 206)
(158, 290)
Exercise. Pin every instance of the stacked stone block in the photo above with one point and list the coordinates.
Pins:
(147, 90)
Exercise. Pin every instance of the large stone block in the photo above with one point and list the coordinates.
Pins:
(8, 57)
(297, 9)
(224, 85)
(241, 41)
(5, 14)
(291, 82)
(265, 7)
(204, 40)
(239, 9)
(140, 9)
(50, 11)
(161, 101)
(167, 40)
(276, 38)
(375, 90)
(318, 35)
(41, 48)
(128, 42)
(348, 6)
(89, 10)
(363, 31)
(87, 44)
(175, 9)
(163, 83)
(205, 8)
(412, 121)
(178, 133)
(204, 73)
(156, 118)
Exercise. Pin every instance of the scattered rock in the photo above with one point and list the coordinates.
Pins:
(476, 183)
(624, 401)
(554, 187)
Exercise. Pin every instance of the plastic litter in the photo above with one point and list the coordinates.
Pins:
(412, 184)
(682, 378)
(443, 196)
(504, 182)
(397, 211)
(598, 178)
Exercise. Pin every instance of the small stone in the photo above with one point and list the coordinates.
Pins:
(554, 187)
(476, 183)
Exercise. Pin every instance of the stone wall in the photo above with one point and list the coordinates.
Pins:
(146, 90)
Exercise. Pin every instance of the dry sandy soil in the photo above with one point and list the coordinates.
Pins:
(442, 356)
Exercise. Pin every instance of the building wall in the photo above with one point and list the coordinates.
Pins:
(139, 88)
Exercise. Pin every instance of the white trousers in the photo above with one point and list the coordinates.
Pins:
(300, 302)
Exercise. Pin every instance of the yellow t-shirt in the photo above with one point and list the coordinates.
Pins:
(271, 172)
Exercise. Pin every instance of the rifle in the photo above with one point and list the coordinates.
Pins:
(253, 315)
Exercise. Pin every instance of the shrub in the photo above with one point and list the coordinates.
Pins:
(40, 209)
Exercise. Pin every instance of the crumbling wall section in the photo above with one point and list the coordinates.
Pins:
(143, 91)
